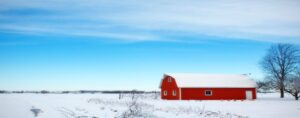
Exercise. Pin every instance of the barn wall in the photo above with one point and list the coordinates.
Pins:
(217, 93)
(169, 87)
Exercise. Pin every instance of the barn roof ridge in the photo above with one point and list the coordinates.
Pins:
(197, 80)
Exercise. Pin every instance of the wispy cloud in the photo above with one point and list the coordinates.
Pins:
(262, 20)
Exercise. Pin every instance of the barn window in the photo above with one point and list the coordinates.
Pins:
(165, 93)
(169, 79)
(208, 93)
(174, 93)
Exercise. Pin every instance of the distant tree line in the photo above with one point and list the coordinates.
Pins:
(80, 92)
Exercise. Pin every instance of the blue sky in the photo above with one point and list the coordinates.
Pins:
(110, 45)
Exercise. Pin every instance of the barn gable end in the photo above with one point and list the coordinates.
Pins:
(169, 88)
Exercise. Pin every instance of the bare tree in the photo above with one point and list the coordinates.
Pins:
(280, 61)
(293, 86)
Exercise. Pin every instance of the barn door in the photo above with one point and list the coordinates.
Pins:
(249, 95)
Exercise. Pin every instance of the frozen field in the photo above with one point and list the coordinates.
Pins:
(110, 106)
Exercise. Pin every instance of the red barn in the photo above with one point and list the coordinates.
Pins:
(183, 86)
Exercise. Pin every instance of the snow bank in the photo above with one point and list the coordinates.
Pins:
(109, 105)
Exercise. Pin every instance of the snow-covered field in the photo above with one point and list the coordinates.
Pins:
(110, 106)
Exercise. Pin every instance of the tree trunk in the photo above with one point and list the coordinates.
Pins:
(281, 93)
(296, 96)
(282, 87)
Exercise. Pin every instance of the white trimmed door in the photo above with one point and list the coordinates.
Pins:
(249, 95)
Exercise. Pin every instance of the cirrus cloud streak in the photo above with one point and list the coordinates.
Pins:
(140, 20)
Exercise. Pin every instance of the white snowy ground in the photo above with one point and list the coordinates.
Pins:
(109, 106)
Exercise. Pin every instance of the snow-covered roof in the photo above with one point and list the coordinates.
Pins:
(193, 80)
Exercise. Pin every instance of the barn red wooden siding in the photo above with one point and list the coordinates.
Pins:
(199, 93)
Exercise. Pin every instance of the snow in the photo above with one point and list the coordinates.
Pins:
(267, 105)
(194, 80)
